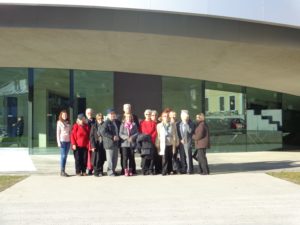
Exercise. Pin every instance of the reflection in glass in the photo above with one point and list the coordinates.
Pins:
(226, 117)
(93, 89)
(264, 120)
(51, 95)
(14, 113)
(291, 121)
(181, 93)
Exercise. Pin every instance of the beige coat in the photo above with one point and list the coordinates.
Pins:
(174, 139)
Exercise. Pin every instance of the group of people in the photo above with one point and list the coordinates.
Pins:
(164, 143)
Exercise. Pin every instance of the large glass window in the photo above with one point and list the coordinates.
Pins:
(264, 120)
(51, 95)
(291, 121)
(93, 89)
(14, 108)
(226, 117)
(182, 93)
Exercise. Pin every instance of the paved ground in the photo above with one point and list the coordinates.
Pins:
(220, 163)
(238, 192)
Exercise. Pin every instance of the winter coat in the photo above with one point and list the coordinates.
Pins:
(201, 136)
(80, 135)
(125, 136)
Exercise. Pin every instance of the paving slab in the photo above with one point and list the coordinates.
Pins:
(234, 198)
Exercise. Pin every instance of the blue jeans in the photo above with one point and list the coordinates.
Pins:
(64, 151)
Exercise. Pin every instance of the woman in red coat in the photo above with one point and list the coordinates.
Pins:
(80, 143)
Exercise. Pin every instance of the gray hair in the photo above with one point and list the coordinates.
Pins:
(154, 111)
(185, 112)
(148, 111)
(127, 105)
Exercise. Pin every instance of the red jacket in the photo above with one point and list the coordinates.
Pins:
(149, 127)
(80, 135)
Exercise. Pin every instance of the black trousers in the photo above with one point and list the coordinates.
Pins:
(167, 160)
(202, 160)
(157, 161)
(177, 167)
(128, 158)
(122, 166)
(98, 159)
(80, 156)
(147, 164)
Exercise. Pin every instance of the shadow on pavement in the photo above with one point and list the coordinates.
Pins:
(253, 166)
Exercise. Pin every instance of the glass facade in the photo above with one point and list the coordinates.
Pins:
(291, 121)
(92, 89)
(182, 93)
(50, 96)
(225, 116)
(14, 107)
(264, 120)
(240, 118)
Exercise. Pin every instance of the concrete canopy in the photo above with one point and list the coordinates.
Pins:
(234, 52)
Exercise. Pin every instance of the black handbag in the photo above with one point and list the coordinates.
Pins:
(145, 151)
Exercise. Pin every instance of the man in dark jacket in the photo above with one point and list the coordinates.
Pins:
(110, 134)
(202, 142)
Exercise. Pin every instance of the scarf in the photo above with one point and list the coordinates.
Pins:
(165, 132)
(128, 126)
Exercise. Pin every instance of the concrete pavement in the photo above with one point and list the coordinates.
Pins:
(220, 163)
(229, 196)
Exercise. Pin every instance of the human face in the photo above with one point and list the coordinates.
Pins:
(82, 121)
(89, 114)
(64, 116)
(111, 116)
(165, 117)
(172, 115)
(128, 118)
(99, 119)
(127, 109)
(154, 117)
(148, 116)
(184, 117)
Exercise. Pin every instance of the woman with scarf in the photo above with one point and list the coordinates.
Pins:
(128, 134)
(166, 142)
(96, 142)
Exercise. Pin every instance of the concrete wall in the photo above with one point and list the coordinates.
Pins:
(220, 50)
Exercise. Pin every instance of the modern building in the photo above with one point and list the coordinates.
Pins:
(237, 61)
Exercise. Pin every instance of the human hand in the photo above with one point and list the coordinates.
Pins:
(116, 138)
(74, 147)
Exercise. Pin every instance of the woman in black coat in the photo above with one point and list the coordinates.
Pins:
(98, 151)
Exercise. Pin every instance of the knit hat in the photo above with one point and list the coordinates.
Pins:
(109, 111)
(80, 116)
